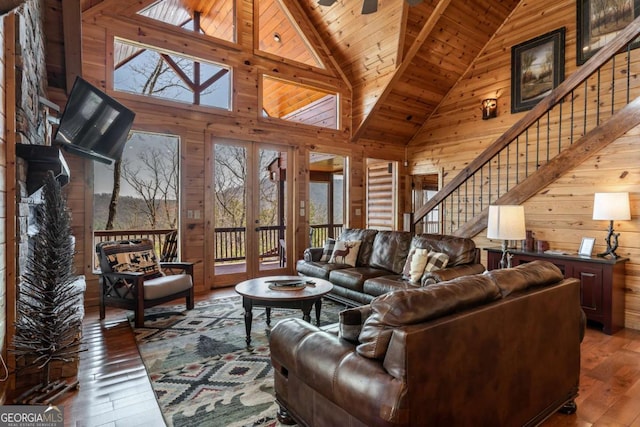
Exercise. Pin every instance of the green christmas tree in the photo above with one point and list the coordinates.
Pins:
(47, 321)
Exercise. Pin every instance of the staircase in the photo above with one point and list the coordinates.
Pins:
(586, 112)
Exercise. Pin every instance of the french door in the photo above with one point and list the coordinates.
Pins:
(251, 209)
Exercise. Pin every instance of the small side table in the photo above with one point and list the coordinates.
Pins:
(602, 282)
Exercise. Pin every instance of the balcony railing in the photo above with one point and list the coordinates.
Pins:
(319, 232)
(230, 241)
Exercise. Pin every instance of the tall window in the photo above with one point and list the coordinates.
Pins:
(139, 195)
(161, 74)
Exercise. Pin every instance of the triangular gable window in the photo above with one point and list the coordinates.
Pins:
(278, 34)
(213, 18)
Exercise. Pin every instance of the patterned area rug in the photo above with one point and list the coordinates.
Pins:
(200, 368)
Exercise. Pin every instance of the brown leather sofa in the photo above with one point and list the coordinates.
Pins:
(380, 262)
(494, 349)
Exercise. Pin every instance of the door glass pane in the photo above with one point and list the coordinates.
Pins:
(327, 196)
(338, 198)
(319, 212)
(230, 207)
(271, 208)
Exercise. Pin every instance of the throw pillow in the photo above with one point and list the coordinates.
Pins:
(345, 252)
(415, 265)
(351, 321)
(132, 256)
(327, 250)
(436, 261)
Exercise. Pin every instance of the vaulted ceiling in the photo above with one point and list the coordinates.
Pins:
(400, 61)
(403, 60)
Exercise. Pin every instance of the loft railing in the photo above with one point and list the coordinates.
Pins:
(603, 86)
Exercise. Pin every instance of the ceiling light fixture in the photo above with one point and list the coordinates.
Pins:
(277, 38)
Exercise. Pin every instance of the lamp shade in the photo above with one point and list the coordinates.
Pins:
(610, 206)
(506, 222)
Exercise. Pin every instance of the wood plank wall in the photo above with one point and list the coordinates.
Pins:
(560, 214)
(3, 204)
(197, 126)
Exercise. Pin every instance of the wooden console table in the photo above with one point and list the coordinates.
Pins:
(602, 282)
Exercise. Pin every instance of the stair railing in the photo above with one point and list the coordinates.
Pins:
(604, 85)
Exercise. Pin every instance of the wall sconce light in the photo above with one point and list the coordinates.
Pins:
(489, 108)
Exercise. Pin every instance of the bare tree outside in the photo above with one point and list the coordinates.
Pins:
(115, 194)
(147, 185)
(159, 74)
(154, 178)
(230, 187)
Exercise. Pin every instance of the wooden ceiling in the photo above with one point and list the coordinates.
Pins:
(403, 60)
(400, 61)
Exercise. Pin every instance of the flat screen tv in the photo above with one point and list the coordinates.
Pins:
(93, 124)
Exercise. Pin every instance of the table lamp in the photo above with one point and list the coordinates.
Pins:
(611, 206)
(506, 222)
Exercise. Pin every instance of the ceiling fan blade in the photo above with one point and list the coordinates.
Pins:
(326, 2)
(414, 2)
(369, 6)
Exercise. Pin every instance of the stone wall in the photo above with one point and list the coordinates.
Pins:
(31, 73)
(31, 123)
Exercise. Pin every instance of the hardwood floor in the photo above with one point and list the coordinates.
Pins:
(115, 391)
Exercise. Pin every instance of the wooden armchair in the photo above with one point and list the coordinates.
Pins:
(132, 278)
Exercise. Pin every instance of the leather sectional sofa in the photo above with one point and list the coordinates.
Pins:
(380, 261)
(495, 349)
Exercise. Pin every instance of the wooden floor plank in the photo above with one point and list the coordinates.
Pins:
(111, 375)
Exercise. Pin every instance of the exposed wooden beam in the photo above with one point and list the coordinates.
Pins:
(303, 22)
(594, 141)
(72, 28)
(438, 11)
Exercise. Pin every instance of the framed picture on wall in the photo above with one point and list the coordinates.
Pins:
(599, 22)
(586, 247)
(537, 67)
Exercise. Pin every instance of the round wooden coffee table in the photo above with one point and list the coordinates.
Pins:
(273, 291)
